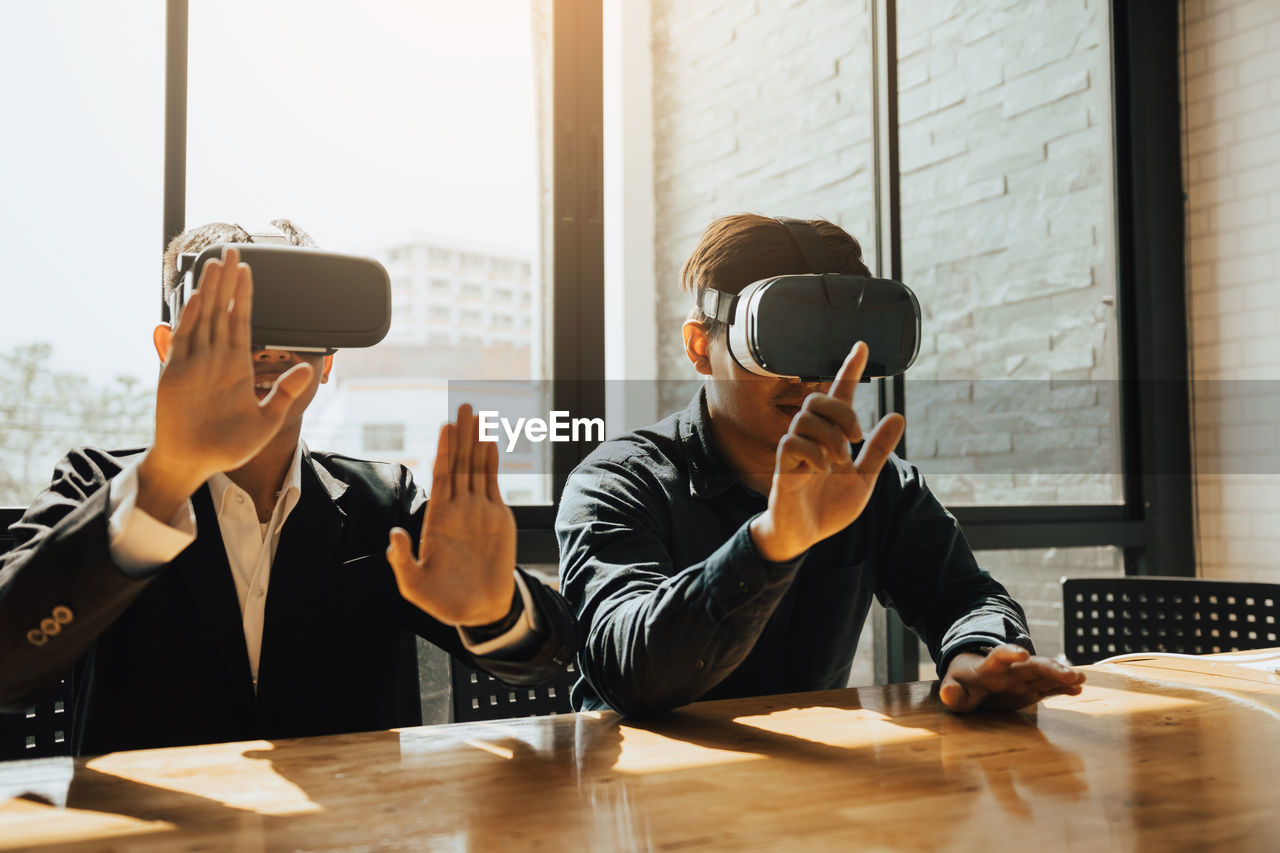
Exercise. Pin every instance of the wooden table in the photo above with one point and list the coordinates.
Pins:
(1150, 757)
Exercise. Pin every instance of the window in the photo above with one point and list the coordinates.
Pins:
(82, 174)
(1008, 224)
(383, 438)
(340, 150)
(1017, 189)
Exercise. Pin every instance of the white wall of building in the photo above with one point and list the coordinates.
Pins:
(1231, 63)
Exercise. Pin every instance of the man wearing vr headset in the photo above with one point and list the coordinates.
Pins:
(733, 549)
(228, 583)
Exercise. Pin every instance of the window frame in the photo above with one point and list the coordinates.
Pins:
(1154, 524)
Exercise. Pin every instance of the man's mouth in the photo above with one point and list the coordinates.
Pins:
(788, 409)
(265, 381)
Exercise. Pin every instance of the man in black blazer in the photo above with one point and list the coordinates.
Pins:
(148, 570)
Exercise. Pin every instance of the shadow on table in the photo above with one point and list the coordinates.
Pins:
(913, 747)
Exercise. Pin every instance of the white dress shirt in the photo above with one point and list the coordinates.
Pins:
(140, 544)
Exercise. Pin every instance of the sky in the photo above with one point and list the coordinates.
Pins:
(361, 122)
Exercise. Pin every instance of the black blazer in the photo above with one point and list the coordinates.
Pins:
(162, 661)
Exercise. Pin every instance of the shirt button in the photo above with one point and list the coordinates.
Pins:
(701, 664)
(63, 615)
(36, 637)
(49, 627)
(259, 592)
(239, 499)
(742, 585)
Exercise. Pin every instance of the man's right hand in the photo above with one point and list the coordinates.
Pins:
(818, 489)
(208, 418)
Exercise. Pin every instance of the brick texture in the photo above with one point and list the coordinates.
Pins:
(1231, 147)
(765, 106)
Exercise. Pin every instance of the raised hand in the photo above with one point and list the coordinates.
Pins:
(464, 571)
(208, 418)
(1009, 677)
(818, 489)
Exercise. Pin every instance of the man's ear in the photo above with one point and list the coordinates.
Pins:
(162, 337)
(696, 344)
(325, 368)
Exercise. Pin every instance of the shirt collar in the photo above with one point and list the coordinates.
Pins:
(221, 488)
(709, 475)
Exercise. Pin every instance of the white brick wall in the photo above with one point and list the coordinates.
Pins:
(759, 106)
(1231, 60)
(1008, 239)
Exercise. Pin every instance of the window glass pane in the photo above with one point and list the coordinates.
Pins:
(711, 111)
(1008, 239)
(81, 167)
(409, 132)
(1033, 577)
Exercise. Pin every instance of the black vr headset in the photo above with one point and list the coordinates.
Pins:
(803, 326)
(303, 299)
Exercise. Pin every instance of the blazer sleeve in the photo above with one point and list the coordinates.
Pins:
(59, 588)
(538, 658)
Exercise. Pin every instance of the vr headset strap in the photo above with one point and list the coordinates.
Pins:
(810, 244)
(717, 304)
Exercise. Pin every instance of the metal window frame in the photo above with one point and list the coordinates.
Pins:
(577, 239)
(1154, 525)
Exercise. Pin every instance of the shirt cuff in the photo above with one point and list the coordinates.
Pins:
(981, 630)
(140, 544)
(529, 623)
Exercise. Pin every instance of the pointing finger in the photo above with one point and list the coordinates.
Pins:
(850, 373)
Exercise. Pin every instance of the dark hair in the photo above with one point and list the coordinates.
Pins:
(743, 248)
(200, 238)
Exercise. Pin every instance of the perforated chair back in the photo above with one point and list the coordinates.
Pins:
(1102, 617)
(478, 696)
(45, 728)
(40, 731)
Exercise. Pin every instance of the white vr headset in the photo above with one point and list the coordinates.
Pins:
(803, 326)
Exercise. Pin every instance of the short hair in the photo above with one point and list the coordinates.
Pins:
(202, 237)
(743, 248)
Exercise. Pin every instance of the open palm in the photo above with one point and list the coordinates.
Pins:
(463, 572)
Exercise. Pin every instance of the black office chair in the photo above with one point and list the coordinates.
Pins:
(1102, 617)
(44, 729)
(479, 696)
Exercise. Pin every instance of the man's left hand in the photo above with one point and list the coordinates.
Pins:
(464, 573)
(1009, 677)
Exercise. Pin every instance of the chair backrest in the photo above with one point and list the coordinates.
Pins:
(1102, 617)
(478, 696)
(40, 731)
(45, 728)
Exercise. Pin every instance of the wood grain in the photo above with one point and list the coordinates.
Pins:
(1151, 756)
